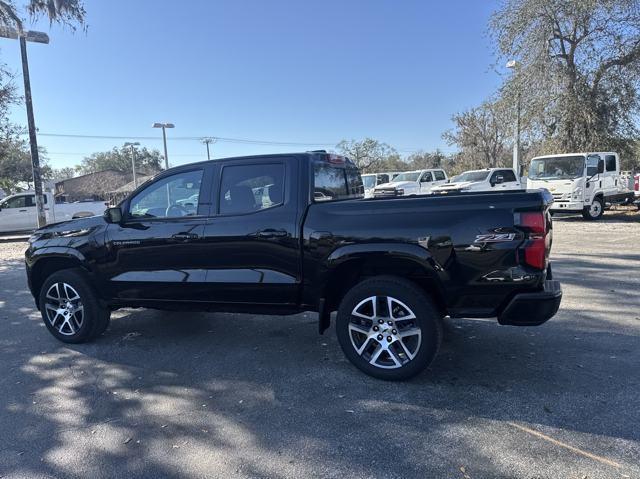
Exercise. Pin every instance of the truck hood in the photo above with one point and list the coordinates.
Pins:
(455, 185)
(398, 184)
(69, 229)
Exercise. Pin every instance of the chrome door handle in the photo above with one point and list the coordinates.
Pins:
(271, 233)
(184, 237)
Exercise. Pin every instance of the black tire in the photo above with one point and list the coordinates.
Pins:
(81, 325)
(588, 211)
(399, 364)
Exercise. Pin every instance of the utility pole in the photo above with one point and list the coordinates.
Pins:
(513, 65)
(164, 126)
(133, 161)
(24, 37)
(207, 141)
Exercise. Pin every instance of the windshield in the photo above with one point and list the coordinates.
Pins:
(408, 176)
(369, 181)
(556, 168)
(472, 176)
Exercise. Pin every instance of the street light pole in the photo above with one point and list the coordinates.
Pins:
(24, 37)
(513, 65)
(133, 162)
(207, 141)
(164, 126)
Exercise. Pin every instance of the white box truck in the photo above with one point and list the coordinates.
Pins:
(580, 182)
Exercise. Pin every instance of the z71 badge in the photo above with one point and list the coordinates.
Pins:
(495, 237)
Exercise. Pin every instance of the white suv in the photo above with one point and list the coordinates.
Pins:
(411, 183)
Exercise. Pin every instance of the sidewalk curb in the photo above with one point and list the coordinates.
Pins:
(13, 239)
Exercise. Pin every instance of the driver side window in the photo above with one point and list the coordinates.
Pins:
(426, 178)
(172, 197)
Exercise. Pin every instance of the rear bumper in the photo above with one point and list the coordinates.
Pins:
(532, 309)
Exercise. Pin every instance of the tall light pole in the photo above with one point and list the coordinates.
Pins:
(513, 65)
(133, 161)
(164, 127)
(24, 37)
(207, 141)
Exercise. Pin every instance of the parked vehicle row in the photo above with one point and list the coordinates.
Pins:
(490, 179)
(280, 234)
(411, 183)
(19, 213)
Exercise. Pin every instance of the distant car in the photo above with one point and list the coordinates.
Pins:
(371, 180)
(19, 213)
(490, 179)
(411, 183)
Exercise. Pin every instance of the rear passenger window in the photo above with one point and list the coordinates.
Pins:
(329, 182)
(439, 175)
(508, 176)
(611, 162)
(251, 188)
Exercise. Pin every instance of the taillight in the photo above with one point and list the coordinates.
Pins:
(636, 183)
(537, 244)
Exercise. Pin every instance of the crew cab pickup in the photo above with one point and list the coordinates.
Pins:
(18, 212)
(281, 234)
(411, 183)
(481, 180)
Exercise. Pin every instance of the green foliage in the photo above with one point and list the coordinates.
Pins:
(69, 13)
(578, 71)
(367, 154)
(119, 159)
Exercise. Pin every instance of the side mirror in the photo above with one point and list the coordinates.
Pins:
(498, 180)
(600, 166)
(113, 215)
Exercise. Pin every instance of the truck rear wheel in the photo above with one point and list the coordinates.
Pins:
(70, 308)
(595, 210)
(389, 328)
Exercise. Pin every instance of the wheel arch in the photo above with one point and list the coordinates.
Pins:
(48, 262)
(350, 264)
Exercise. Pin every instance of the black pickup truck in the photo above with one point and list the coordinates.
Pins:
(281, 234)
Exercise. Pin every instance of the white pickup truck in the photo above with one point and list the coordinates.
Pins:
(490, 179)
(580, 182)
(411, 183)
(18, 212)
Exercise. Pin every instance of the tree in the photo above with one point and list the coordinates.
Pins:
(578, 70)
(65, 173)
(119, 159)
(481, 135)
(65, 12)
(425, 159)
(367, 154)
(15, 165)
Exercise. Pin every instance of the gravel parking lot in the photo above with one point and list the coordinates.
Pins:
(224, 395)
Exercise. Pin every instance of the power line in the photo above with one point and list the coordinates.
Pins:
(187, 138)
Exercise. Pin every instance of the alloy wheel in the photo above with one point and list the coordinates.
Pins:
(384, 331)
(64, 309)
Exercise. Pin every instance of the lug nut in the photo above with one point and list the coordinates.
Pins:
(390, 323)
(375, 328)
(389, 338)
(380, 321)
(393, 331)
(379, 337)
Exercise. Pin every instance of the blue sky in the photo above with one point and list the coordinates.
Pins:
(281, 70)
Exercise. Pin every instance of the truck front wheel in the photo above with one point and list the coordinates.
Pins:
(595, 210)
(70, 308)
(389, 328)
